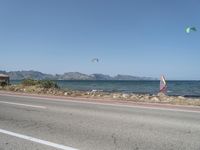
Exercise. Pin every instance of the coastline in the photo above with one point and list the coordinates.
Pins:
(188, 89)
(106, 96)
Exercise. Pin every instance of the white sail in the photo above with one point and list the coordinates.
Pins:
(163, 84)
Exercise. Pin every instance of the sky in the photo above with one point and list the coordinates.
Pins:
(135, 37)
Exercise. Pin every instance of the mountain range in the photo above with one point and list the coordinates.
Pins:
(20, 75)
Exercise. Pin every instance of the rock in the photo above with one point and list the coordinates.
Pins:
(168, 99)
(181, 97)
(65, 93)
(116, 95)
(140, 96)
(155, 99)
(160, 94)
(125, 95)
(146, 97)
(134, 97)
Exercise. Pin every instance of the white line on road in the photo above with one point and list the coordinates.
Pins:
(58, 146)
(20, 104)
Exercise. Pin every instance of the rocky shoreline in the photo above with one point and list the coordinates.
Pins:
(159, 98)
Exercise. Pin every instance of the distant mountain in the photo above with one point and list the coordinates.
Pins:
(101, 77)
(19, 75)
(74, 76)
(129, 77)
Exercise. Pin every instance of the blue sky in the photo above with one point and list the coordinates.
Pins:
(136, 37)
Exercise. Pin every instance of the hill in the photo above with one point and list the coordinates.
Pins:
(20, 75)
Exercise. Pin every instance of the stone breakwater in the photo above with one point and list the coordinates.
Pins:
(159, 98)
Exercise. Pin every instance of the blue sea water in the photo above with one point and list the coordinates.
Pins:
(183, 88)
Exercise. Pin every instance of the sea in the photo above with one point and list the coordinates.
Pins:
(175, 88)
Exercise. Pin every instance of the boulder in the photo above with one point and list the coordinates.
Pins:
(116, 95)
(125, 95)
(181, 97)
(155, 99)
(160, 94)
(134, 97)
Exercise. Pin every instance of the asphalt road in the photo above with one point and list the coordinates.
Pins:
(43, 124)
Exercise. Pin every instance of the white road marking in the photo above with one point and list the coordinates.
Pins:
(58, 146)
(106, 104)
(20, 104)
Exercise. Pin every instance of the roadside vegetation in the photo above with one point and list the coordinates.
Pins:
(3, 84)
(34, 87)
(41, 83)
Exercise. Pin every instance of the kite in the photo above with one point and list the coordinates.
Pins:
(190, 29)
(95, 60)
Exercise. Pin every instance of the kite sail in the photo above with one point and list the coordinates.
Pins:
(95, 60)
(190, 29)
(163, 85)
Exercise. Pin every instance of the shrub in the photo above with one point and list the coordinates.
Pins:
(48, 84)
(42, 83)
(3, 84)
(29, 82)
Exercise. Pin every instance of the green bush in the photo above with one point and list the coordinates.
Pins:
(42, 83)
(48, 84)
(29, 82)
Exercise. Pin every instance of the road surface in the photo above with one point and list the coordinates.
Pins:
(28, 123)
